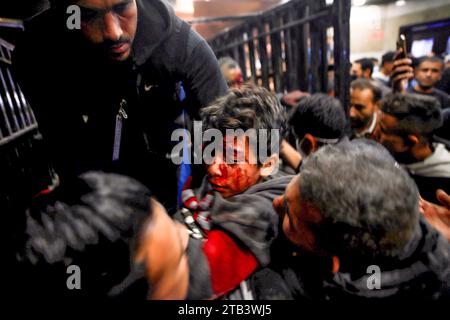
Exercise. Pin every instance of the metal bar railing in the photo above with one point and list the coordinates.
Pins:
(287, 47)
(16, 115)
(276, 30)
(222, 19)
(11, 23)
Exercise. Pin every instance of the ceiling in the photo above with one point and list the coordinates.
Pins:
(21, 9)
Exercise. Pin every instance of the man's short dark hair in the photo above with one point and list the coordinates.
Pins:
(363, 84)
(366, 63)
(247, 107)
(369, 207)
(387, 57)
(415, 113)
(431, 59)
(319, 115)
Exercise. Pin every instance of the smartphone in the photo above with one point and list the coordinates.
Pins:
(401, 44)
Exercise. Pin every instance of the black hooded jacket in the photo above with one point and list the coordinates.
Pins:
(249, 220)
(79, 241)
(421, 273)
(76, 94)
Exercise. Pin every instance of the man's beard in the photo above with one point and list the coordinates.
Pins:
(357, 123)
(102, 50)
(403, 157)
(425, 86)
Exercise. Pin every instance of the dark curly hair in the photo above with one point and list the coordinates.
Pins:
(248, 107)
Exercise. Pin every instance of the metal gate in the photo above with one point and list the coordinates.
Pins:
(16, 116)
(24, 165)
(289, 47)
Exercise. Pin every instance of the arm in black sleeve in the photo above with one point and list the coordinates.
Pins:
(203, 80)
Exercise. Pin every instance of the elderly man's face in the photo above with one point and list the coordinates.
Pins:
(110, 25)
(298, 218)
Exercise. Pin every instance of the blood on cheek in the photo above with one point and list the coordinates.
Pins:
(234, 177)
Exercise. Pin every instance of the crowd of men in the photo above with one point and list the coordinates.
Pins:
(341, 207)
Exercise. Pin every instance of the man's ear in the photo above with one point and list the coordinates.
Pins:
(413, 140)
(309, 144)
(270, 166)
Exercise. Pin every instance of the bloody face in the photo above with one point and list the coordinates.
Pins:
(233, 178)
(110, 25)
(234, 77)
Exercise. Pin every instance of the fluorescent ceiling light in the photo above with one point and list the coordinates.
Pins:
(184, 6)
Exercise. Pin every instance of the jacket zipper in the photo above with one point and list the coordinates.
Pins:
(121, 115)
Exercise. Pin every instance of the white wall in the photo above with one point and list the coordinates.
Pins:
(374, 29)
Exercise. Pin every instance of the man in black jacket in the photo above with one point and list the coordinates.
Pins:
(80, 239)
(106, 96)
